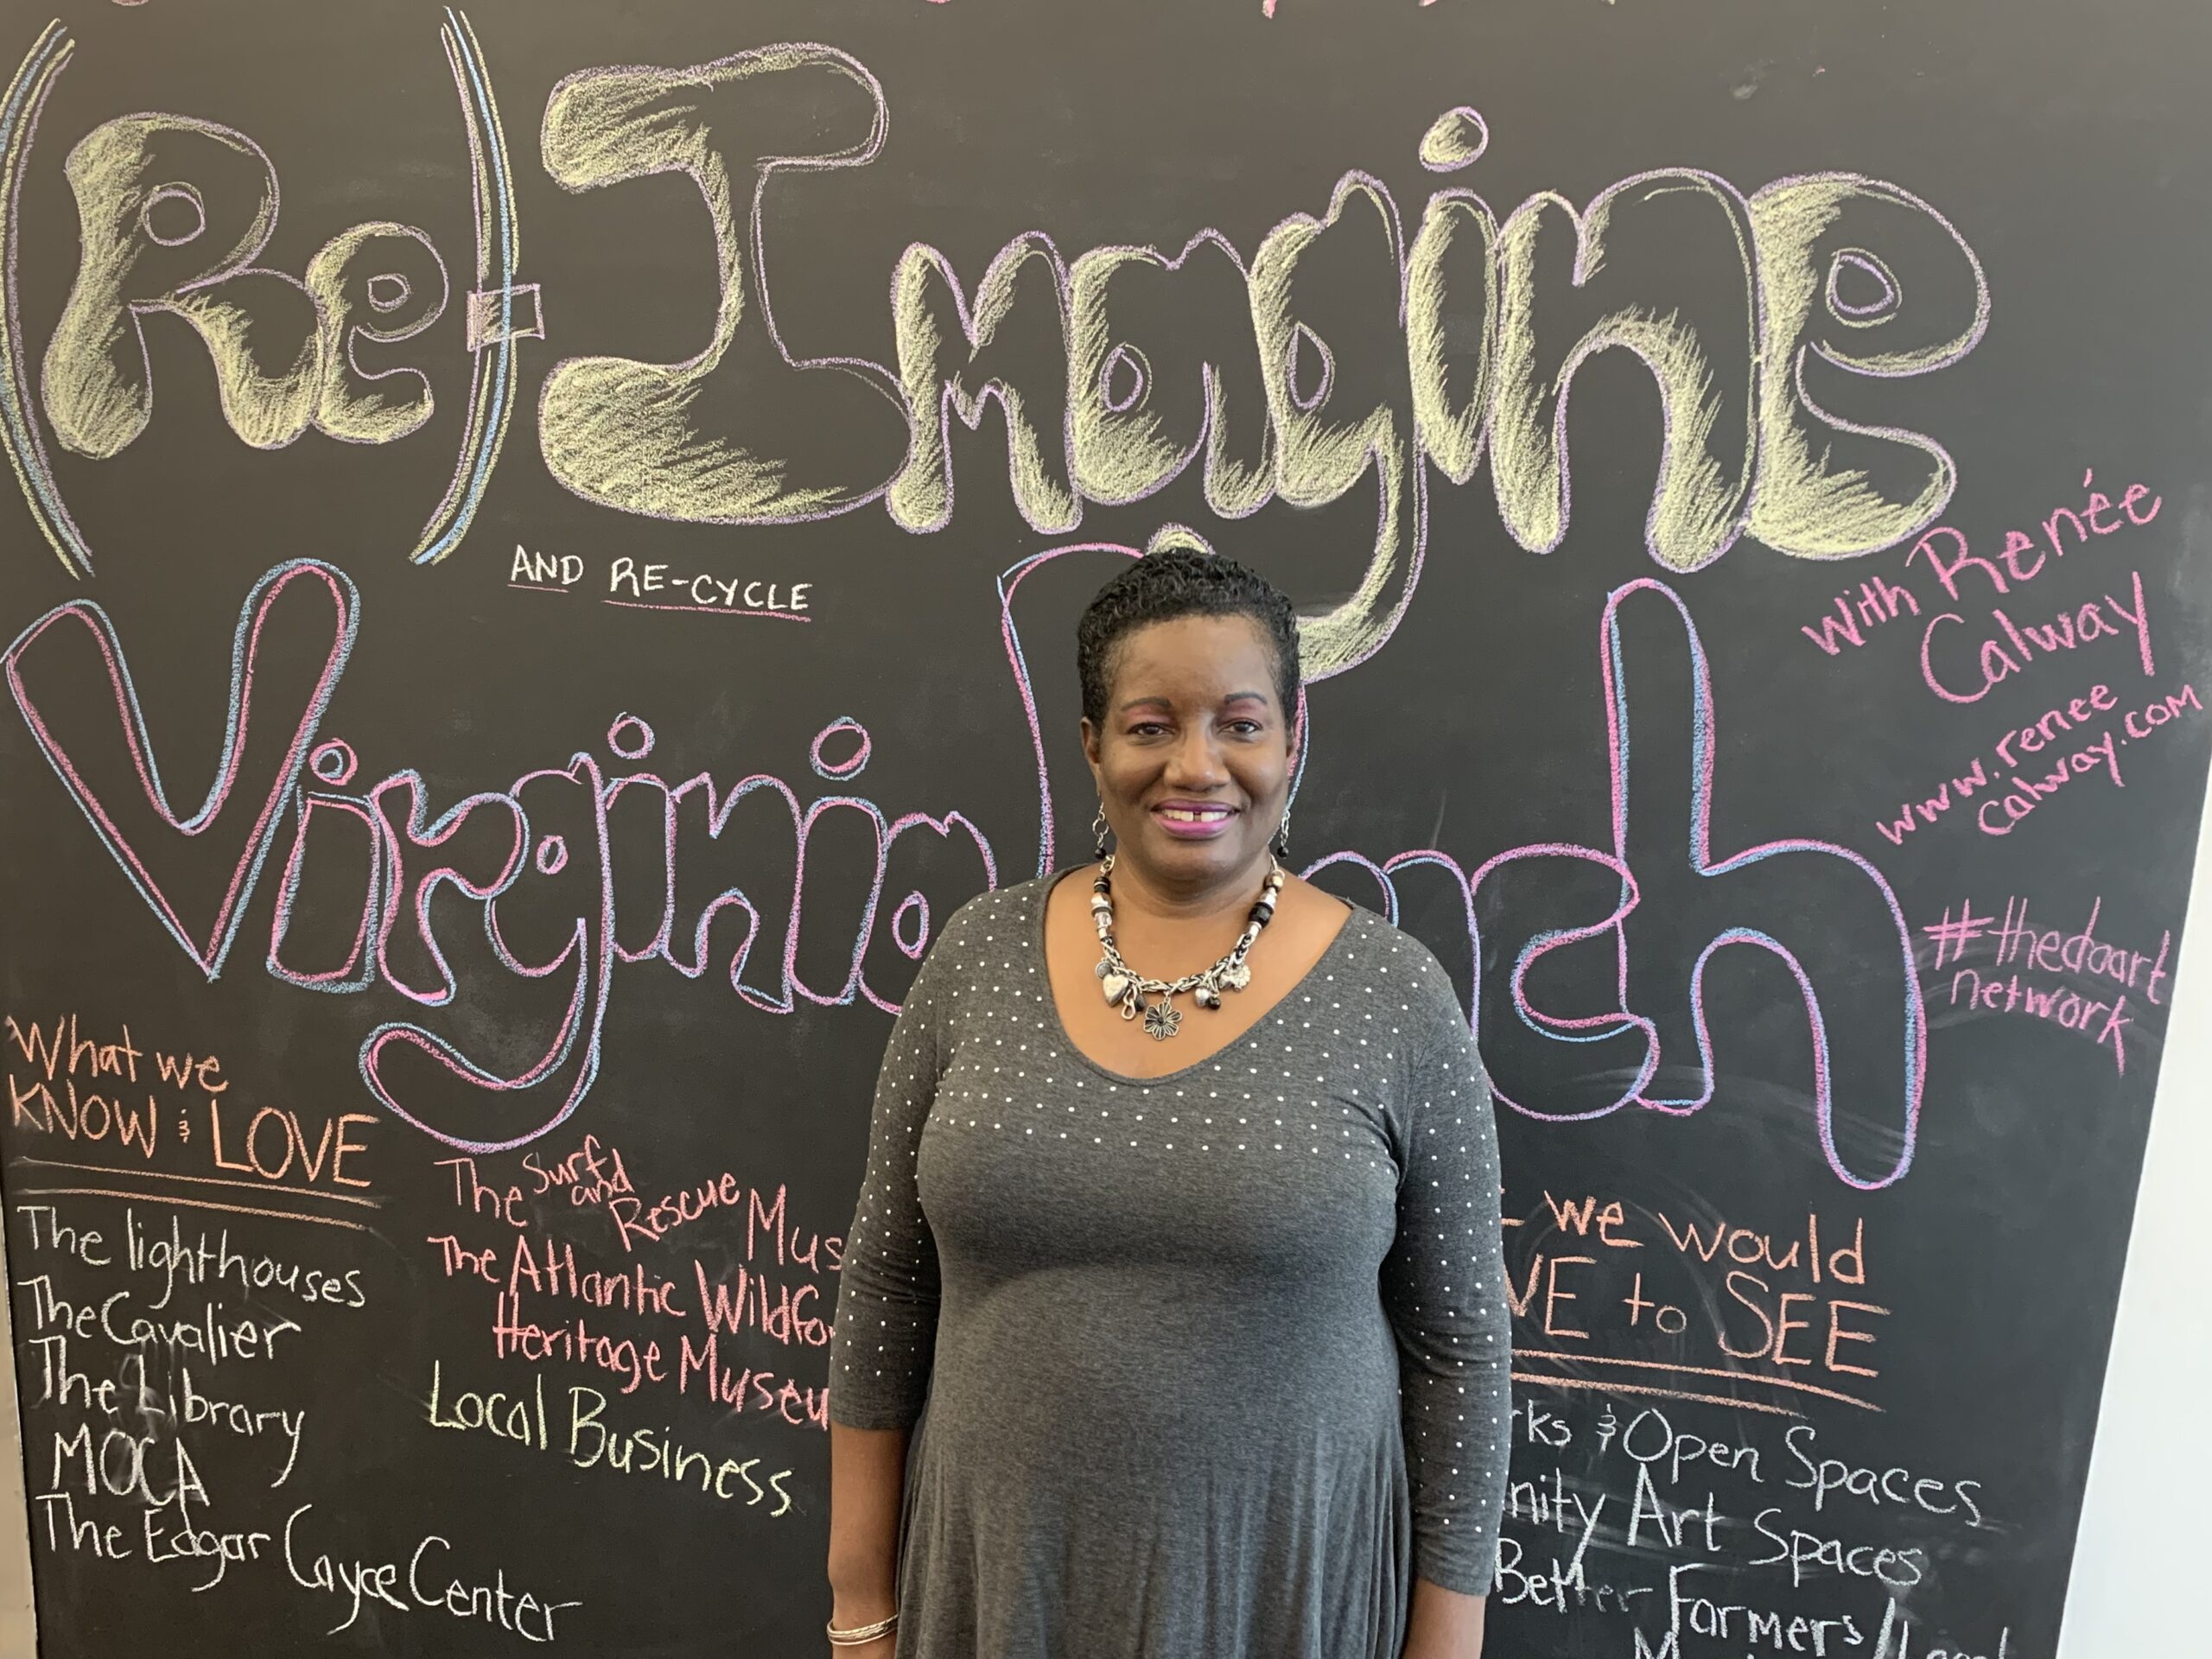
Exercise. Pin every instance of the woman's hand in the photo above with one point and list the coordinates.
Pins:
(1443, 1624)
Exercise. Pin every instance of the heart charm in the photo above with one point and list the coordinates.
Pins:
(1116, 986)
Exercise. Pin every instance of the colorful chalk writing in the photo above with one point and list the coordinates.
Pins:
(1723, 1456)
(2031, 763)
(400, 875)
(2075, 981)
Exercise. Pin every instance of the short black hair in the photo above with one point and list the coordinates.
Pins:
(1178, 581)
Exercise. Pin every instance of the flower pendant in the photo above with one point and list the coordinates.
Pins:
(1161, 1022)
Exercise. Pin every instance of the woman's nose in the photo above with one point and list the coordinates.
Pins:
(1198, 762)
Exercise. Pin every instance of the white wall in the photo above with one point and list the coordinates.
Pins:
(2139, 1571)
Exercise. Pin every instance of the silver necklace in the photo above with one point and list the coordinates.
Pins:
(1127, 989)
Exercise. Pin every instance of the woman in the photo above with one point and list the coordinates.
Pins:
(1160, 1262)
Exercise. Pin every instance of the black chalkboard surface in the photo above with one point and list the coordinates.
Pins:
(513, 656)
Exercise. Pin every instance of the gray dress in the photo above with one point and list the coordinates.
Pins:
(1205, 1366)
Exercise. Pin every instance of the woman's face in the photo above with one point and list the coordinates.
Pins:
(1193, 761)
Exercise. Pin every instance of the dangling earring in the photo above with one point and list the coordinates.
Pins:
(1098, 829)
(1283, 836)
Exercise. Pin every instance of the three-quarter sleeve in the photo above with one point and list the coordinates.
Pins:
(885, 1335)
(1443, 1286)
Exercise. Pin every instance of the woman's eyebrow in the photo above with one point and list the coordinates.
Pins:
(1146, 702)
(1169, 702)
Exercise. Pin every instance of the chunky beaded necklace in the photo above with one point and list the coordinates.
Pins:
(1126, 990)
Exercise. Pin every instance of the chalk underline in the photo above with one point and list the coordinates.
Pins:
(706, 610)
(1790, 1383)
(127, 1173)
(193, 1204)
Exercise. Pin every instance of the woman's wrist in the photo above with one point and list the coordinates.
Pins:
(851, 1619)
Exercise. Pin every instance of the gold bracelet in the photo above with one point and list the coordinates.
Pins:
(861, 1633)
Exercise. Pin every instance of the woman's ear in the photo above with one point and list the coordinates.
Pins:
(1090, 735)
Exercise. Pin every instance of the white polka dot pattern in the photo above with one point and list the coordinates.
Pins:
(887, 1287)
(1443, 1285)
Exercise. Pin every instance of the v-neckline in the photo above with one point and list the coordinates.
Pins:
(1045, 889)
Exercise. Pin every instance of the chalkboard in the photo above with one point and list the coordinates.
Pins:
(513, 656)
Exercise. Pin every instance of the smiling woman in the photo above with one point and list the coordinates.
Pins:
(1208, 1319)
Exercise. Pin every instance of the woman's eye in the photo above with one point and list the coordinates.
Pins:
(1244, 727)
